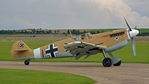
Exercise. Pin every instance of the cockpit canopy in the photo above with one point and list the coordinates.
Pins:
(81, 36)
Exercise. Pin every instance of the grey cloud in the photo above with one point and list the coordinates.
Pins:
(140, 6)
(69, 13)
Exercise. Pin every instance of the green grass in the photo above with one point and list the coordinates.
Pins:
(143, 30)
(16, 76)
(125, 53)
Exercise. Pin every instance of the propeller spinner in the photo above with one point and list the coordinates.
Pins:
(132, 34)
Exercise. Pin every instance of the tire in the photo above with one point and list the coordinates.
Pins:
(26, 62)
(107, 62)
(117, 64)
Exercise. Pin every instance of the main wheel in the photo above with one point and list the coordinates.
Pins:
(117, 64)
(26, 62)
(107, 62)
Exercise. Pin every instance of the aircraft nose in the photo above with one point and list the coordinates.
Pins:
(134, 32)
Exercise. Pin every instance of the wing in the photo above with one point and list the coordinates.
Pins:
(80, 49)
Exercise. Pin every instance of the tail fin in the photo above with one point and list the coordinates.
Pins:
(20, 50)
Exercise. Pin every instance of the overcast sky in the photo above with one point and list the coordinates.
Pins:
(19, 14)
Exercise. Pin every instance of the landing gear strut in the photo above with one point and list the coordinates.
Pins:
(107, 62)
(26, 62)
(115, 60)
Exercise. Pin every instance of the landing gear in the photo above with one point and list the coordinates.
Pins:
(107, 62)
(115, 60)
(117, 64)
(26, 62)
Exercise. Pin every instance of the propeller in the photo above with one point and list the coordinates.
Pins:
(127, 24)
(133, 46)
(132, 34)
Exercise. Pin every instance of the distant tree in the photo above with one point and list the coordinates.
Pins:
(68, 31)
(76, 31)
(84, 31)
(92, 32)
(55, 31)
(98, 32)
(65, 34)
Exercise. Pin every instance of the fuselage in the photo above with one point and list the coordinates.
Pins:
(110, 41)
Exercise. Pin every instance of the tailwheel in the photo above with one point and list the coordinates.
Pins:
(107, 62)
(117, 64)
(26, 62)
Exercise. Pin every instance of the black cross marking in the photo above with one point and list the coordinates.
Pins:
(52, 50)
(42, 53)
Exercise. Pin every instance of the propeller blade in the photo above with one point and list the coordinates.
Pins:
(133, 46)
(127, 24)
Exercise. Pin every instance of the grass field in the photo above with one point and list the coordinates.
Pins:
(16, 76)
(143, 30)
(32, 37)
(125, 54)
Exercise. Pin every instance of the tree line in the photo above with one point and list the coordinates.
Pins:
(74, 31)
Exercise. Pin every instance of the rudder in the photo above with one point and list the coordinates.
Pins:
(20, 50)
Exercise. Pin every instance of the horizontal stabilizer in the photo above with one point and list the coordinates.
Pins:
(20, 50)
